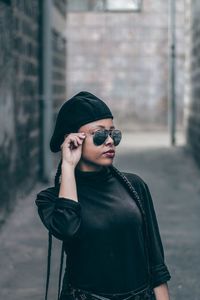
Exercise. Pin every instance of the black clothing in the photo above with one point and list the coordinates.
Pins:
(110, 238)
(104, 231)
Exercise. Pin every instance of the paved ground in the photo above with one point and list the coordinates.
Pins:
(173, 179)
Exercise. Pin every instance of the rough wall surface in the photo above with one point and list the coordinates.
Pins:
(21, 93)
(19, 99)
(192, 87)
(123, 58)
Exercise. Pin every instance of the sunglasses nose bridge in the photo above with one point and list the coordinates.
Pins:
(109, 137)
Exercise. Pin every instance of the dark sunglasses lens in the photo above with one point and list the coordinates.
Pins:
(116, 136)
(99, 137)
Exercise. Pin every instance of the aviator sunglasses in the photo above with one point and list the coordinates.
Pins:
(100, 136)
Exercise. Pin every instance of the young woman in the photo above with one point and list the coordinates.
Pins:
(104, 217)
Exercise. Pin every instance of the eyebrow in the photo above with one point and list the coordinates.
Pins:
(101, 126)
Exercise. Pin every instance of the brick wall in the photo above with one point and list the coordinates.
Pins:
(20, 94)
(19, 100)
(59, 70)
(59, 67)
(192, 70)
(123, 58)
(61, 6)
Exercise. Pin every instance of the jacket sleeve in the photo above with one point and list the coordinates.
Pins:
(159, 271)
(61, 216)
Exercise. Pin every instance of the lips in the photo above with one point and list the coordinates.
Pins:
(109, 151)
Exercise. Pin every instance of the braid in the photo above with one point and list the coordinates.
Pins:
(58, 173)
(124, 179)
(56, 183)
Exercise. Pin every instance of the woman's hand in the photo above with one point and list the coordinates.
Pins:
(71, 148)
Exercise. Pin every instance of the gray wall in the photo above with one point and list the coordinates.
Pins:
(123, 58)
(192, 71)
(19, 115)
(21, 89)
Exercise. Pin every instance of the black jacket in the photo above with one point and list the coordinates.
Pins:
(49, 204)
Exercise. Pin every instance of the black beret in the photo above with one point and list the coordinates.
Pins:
(81, 109)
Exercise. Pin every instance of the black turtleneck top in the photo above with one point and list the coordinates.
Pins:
(103, 234)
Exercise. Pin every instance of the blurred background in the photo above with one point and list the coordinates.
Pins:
(142, 57)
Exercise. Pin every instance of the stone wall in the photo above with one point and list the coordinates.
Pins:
(59, 58)
(123, 58)
(59, 70)
(192, 71)
(19, 100)
(21, 89)
(58, 67)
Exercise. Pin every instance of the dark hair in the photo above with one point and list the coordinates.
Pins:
(58, 173)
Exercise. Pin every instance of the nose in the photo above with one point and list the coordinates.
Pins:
(109, 140)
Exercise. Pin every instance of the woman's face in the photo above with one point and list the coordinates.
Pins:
(93, 157)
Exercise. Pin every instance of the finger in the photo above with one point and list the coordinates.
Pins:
(68, 141)
(81, 134)
(74, 142)
(72, 135)
(82, 138)
(79, 140)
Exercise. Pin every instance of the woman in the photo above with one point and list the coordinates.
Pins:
(105, 217)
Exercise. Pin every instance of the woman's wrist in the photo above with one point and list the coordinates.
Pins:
(67, 167)
(68, 182)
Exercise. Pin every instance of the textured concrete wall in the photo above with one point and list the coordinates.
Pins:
(123, 58)
(21, 89)
(59, 70)
(59, 63)
(192, 87)
(18, 106)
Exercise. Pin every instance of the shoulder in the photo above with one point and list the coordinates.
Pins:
(135, 179)
(139, 184)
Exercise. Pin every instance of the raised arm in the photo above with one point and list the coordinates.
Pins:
(58, 207)
(60, 215)
(71, 154)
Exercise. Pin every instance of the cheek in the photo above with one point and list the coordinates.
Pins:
(91, 150)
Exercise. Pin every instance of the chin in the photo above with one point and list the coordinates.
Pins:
(98, 163)
(106, 162)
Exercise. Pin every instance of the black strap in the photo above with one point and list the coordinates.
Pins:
(49, 266)
(48, 263)
(60, 272)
